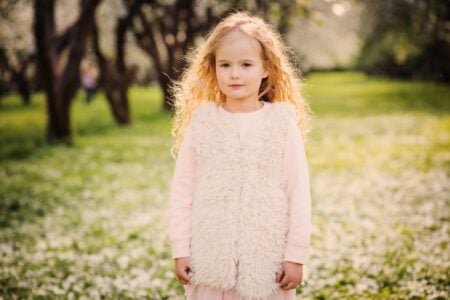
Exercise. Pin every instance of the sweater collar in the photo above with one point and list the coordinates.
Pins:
(255, 113)
(226, 122)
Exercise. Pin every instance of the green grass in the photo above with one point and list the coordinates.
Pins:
(356, 94)
(89, 220)
(22, 129)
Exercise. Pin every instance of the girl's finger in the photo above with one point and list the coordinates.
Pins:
(181, 279)
(183, 276)
(278, 277)
(284, 280)
(186, 274)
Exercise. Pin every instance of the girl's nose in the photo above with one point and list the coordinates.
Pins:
(234, 73)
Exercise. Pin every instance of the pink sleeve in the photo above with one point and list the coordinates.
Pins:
(180, 199)
(298, 190)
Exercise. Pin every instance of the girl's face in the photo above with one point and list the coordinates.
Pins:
(239, 68)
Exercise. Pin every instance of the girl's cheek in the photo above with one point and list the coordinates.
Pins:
(222, 75)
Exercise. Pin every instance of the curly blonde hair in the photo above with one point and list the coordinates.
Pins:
(198, 82)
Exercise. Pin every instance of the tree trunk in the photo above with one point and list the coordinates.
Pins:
(60, 81)
(58, 120)
(23, 84)
(115, 77)
(17, 73)
(117, 97)
(22, 87)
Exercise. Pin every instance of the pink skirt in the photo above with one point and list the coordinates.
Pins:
(202, 292)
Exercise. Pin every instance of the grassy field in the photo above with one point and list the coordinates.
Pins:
(89, 221)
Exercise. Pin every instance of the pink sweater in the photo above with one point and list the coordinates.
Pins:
(296, 178)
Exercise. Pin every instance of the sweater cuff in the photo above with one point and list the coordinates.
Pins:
(181, 248)
(296, 254)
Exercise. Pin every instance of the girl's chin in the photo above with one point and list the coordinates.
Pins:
(238, 94)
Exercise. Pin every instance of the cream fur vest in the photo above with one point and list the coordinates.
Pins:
(240, 211)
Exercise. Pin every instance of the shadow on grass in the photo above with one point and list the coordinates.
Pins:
(19, 148)
(22, 128)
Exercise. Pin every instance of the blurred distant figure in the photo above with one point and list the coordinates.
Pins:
(89, 83)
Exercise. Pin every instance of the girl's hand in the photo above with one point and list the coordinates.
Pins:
(291, 276)
(182, 267)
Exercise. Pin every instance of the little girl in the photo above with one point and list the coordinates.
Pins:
(240, 208)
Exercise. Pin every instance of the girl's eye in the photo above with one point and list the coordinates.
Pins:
(224, 65)
(246, 65)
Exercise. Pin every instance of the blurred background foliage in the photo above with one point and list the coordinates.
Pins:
(409, 39)
(56, 48)
(52, 46)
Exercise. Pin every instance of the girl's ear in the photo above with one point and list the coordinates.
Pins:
(265, 74)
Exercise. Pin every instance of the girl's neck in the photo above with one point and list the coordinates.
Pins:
(242, 107)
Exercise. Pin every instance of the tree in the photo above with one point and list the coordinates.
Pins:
(16, 73)
(115, 76)
(16, 54)
(58, 58)
(407, 39)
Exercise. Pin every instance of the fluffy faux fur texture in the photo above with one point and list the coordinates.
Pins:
(240, 211)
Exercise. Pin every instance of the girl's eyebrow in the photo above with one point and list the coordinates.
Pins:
(242, 60)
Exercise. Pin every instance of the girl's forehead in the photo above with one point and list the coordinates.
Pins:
(238, 44)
